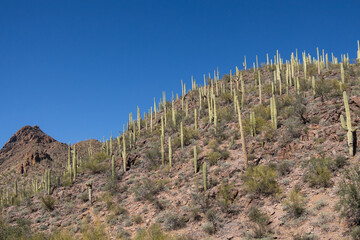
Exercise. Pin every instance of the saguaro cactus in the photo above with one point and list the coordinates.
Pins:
(170, 153)
(313, 84)
(195, 119)
(273, 111)
(242, 135)
(69, 160)
(342, 73)
(74, 163)
(252, 124)
(204, 176)
(195, 159)
(124, 153)
(90, 185)
(181, 135)
(347, 126)
(113, 167)
(162, 140)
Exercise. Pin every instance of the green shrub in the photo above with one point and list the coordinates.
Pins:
(261, 180)
(322, 89)
(295, 203)
(355, 233)
(153, 156)
(48, 203)
(226, 113)
(305, 236)
(226, 97)
(96, 163)
(260, 220)
(174, 221)
(284, 167)
(137, 219)
(154, 232)
(94, 231)
(319, 171)
(225, 198)
(340, 161)
(349, 195)
(147, 189)
(209, 228)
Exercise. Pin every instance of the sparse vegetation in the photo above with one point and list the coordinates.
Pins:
(48, 202)
(261, 180)
(295, 203)
(349, 195)
(260, 220)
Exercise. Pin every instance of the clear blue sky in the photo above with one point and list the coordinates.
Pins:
(77, 68)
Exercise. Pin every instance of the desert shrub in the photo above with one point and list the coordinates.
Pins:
(66, 181)
(212, 216)
(84, 196)
(111, 186)
(293, 127)
(154, 232)
(285, 101)
(226, 113)
(295, 203)
(19, 231)
(262, 112)
(284, 167)
(261, 180)
(153, 156)
(260, 125)
(94, 231)
(319, 171)
(61, 235)
(340, 161)
(48, 203)
(355, 233)
(322, 89)
(195, 214)
(311, 70)
(174, 221)
(225, 198)
(260, 220)
(96, 162)
(219, 132)
(305, 236)
(269, 133)
(349, 195)
(216, 155)
(137, 219)
(201, 201)
(209, 228)
(147, 189)
(226, 97)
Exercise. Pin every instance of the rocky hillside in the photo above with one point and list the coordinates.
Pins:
(189, 171)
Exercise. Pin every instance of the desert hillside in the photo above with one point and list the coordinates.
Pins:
(266, 152)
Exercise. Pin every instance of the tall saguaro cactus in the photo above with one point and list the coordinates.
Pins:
(347, 126)
(273, 111)
(124, 152)
(113, 167)
(195, 159)
(242, 135)
(205, 176)
(181, 135)
(252, 124)
(170, 153)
